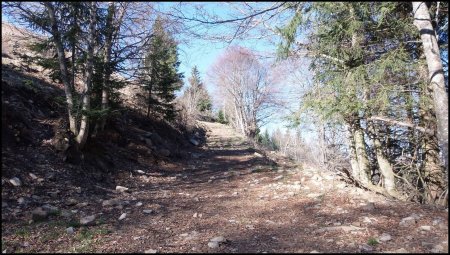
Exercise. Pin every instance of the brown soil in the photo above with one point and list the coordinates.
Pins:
(232, 188)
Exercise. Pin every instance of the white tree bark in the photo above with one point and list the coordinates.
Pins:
(62, 65)
(84, 127)
(422, 20)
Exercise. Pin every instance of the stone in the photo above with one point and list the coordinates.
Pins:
(4, 204)
(314, 251)
(369, 206)
(66, 214)
(219, 239)
(258, 155)
(279, 177)
(365, 248)
(121, 188)
(70, 230)
(39, 214)
(401, 250)
(194, 141)
(33, 176)
(81, 205)
(195, 215)
(88, 220)
(21, 200)
(213, 245)
(313, 195)
(384, 237)
(138, 204)
(111, 202)
(71, 201)
(151, 251)
(15, 181)
(123, 216)
(408, 221)
(438, 249)
(52, 210)
(147, 211)
(140, 172)
(425, 228)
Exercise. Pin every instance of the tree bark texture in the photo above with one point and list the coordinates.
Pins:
(422, 20)
(84, 126)
(62, 65)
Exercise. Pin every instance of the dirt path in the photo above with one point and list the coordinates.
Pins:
(228, 190)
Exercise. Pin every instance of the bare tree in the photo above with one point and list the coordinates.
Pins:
(245, 87)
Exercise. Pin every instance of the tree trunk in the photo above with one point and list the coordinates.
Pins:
(422, 21)
(363, 160)
(107, 60)
(62, 65)
(383, 163)
(352, 153)
(84, 127)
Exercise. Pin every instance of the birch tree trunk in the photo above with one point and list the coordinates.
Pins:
(62, 65)
(422, 21)
(84, 126)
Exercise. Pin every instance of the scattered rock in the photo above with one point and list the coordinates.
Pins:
(151, 251)
(213, 245)
(425, 228)
(71, 201)
(123, 216)
(15, 181)
(4, 204)
(52, 210)
(279, 177)
(384, 237)
(121, 188)
(365, 248)
(70, 230)
(194, 142)
(219, 239)
(111, 202)
(438, 249)
(195, 215)
(147, 211)
(138, 204)
(140, 172)
(368, 207)
(33, 176)
(66, 214)
(408, 221)
(88, 220)
(39, 214)
(401, 250)
(258, 155)
(81, 205)
(314, 251)
(21, 200)
(313, 195)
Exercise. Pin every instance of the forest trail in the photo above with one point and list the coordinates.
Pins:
(247, 201)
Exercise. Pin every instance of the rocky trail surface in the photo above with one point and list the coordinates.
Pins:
(228, 197)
